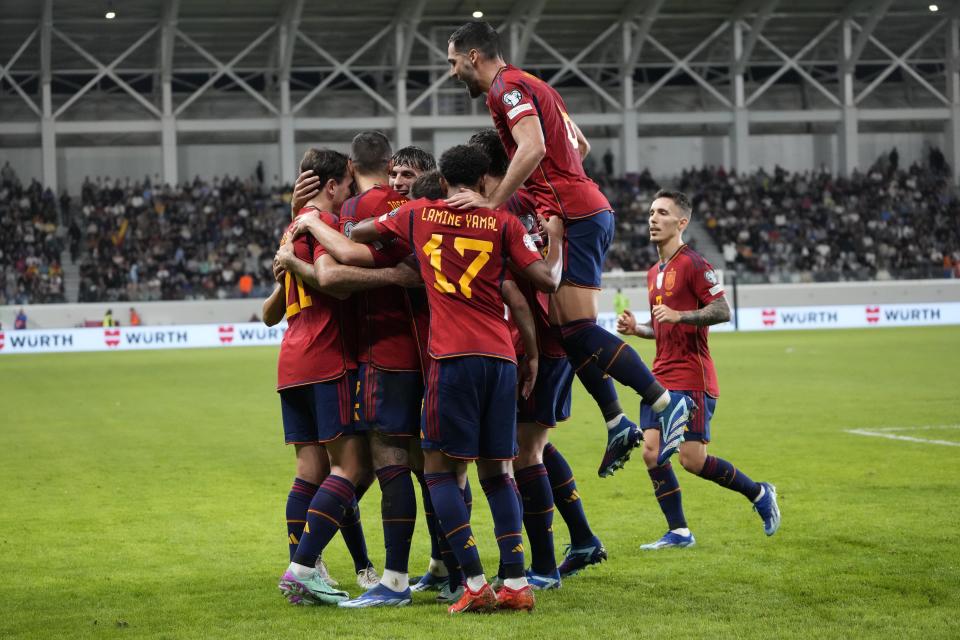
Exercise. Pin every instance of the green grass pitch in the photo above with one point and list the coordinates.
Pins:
(143, 496)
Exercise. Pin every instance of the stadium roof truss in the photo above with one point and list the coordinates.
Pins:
(170, 69)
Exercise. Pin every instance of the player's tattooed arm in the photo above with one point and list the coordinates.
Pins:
(716, 312)
(274, 307)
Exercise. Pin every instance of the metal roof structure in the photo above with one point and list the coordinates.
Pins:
(175, 69)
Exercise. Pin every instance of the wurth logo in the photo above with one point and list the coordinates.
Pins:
(873, 315)
(111, 337)
(769, 317)
(226, 334)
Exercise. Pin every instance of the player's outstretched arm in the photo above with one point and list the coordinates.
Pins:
(716, 312)
(343, 249)
(274, 307)
(341, 280)
(546, 274)
(523, 317)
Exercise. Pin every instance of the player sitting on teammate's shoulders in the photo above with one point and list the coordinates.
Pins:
(686, 298)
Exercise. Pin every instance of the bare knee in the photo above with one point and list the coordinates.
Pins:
(312, 463)
(532, 438)
(692, 456)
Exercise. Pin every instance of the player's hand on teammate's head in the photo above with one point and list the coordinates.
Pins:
(305, 188)
(528, 376)
(468, 199)
(663, 313)
(407, 276)
(626, 323)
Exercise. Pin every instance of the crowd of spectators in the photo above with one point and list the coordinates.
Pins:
(888, 222)
(30, 246)
(195, 241)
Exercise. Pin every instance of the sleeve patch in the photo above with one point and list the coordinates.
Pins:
(512, 98)
(513, 113)
(715, 289)
(529, 243)
(711, 276)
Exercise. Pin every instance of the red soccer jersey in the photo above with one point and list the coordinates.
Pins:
(687, 282)
(314, 348)
(549, 340)
(462, 256)
(386, 339)
(558, 184)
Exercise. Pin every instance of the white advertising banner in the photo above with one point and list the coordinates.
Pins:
(256, 334)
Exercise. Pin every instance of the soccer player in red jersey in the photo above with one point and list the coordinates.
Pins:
(469, 403)
(686, 298)
(546, 150)
(543, 476)
(316, 378)
(408, 164)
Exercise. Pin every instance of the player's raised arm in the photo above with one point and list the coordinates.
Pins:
(546, 274)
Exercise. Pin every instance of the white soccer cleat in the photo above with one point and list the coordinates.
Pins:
(368, 578)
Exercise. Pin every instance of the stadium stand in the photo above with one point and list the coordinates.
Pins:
(30, 247)
(195, 241)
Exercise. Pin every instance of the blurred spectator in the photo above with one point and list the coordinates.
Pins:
(30, 249)
(134, 318)
(608, 162)
(146, 242)
(245, 285)
(20, 322)
(108, 319)
(620, 302)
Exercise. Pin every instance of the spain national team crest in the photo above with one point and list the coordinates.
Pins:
(670, 280)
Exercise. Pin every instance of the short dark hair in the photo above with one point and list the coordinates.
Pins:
(488, 141)
(427, 186)
(326, 164)
(370, 152)
(414, 157)
(679, 198)
(463, 165)
(479, 35)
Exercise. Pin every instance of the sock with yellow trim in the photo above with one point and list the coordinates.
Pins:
(501, 495)
(666, 488)
(298, 501)
(398, 510)
(326, 512)
(454, 521)
(566, 498)
(728, 476)
(537, 497)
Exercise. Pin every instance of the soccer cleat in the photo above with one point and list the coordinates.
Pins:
(768, 509)
(448, 596)
(670, 539)
(325, 573)
(428, 582)
(309, 590)
(620, 441)
(542, 581)
(368, 578)
(379, 596)
(521, 599)
(674, 420)
(579, 558)
(482, 601)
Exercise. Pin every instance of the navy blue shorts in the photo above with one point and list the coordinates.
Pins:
(469, 408)
(550, 401)
(319, 412)
(389, 402)
(699, 429)
(586, 242)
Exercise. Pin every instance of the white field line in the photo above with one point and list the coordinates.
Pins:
(885, 432)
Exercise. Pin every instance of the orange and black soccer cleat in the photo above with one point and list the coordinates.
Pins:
(482, 601)
(521, 599)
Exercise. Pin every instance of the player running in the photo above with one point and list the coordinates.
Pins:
(686, 298)
(543, 477)
(469, 403)
(546, 150)
(316, 378)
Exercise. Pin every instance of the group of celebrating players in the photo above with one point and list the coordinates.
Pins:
(439, 316)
